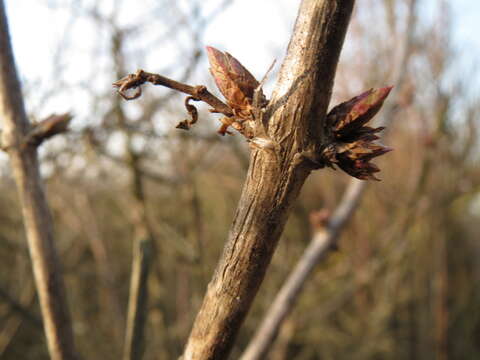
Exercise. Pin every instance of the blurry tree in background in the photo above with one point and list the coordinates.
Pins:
(404, 281)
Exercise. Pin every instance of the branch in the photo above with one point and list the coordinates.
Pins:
(51, 126)
(143, 238)
(138, 298)
(293, 123)
(143, 243)
(36, 213)
(291, 135)
(324, 240)
(325, 237)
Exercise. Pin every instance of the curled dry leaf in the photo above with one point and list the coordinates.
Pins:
(353, 143)
(193, 112)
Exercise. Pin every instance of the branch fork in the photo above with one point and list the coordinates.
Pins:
(43, 130)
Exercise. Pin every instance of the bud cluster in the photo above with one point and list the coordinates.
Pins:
(353, 144)
(238, 86)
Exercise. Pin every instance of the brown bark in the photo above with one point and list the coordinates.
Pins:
(294, 123)
(325, 240)
(317, 250)
(37, 218)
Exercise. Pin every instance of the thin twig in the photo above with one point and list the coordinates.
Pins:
(200, 92)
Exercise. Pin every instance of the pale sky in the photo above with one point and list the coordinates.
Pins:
(36, 30)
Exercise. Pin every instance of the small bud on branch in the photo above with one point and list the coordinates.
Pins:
(235, 82)
(353, 143)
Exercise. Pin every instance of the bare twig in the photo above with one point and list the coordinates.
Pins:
(37, 218)
(138, 296)
(200, 92)
(45, 129)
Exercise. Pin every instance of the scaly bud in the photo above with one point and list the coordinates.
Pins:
(346, 118)
(233, 80)
(353, 143)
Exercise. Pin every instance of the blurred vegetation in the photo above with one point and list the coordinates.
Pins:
(404, 281)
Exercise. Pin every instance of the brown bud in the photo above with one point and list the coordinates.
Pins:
(233, 80)
(351, 115)
(354, 158)
(353, 143)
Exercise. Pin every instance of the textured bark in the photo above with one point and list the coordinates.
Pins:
(36, 214)
(325, 240)
(294, 123)
(317, 250)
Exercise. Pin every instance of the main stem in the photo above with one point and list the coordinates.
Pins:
(295, 125)
(36, 213)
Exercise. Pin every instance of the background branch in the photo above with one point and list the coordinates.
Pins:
(20, 308)
(36, 213)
